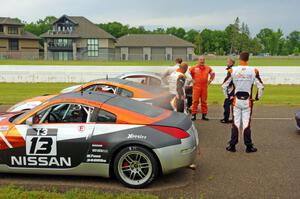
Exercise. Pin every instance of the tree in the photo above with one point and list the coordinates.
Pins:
(270, 40)
(41, 26)
(293, 41)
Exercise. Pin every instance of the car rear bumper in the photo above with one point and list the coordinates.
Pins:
(179, 156)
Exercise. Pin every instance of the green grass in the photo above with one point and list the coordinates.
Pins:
(214, 61)
(13, 192)
(12, 93)
(272, 95)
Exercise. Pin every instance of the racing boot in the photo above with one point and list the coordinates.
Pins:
(194, 117)
(204, 117)
(231, 148)
(251, 149)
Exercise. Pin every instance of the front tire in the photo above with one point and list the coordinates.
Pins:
(135, 167)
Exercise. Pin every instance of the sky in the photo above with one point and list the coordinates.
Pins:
(197, 14)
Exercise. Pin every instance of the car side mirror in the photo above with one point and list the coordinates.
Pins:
(29, 121)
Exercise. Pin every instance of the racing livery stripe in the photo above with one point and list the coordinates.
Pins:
(3, 138)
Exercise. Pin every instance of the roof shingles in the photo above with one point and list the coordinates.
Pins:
(83, 29)
(152, 40)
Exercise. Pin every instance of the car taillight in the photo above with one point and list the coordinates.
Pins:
(175, 132)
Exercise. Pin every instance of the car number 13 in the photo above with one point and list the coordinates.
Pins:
(41, 144)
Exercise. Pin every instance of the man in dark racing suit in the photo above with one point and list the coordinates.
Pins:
(230, 92)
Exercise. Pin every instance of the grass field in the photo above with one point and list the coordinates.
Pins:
(12, 93)
(11, 192)
(214, 61)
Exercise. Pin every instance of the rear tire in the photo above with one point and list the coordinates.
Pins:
(135, 167)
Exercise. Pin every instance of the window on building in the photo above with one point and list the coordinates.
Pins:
(13, 44)
(93, 47)
(168, 57)
(146, 57)
(13, 30)
(123, 56)
(190, 57)
(1, 28)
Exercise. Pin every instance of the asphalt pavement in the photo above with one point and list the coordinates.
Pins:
(272, 172)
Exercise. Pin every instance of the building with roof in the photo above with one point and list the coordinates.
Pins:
(15, 42)
(75, 37)
(153, 47)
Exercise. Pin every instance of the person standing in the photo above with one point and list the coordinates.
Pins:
(171, 82)
(200, 74)
(170, 70)
(243, 78)
(230, 91)
(179, 77)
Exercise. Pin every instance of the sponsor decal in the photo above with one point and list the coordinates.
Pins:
(3, 128)
(134, 136)
(40, 161)
(81, 129)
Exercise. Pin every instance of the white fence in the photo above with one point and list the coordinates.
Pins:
(11, 73)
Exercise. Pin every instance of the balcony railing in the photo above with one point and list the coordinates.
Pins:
(60, 46)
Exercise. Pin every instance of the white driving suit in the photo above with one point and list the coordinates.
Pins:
(243, 79)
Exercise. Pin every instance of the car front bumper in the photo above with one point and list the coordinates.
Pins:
(181, 155)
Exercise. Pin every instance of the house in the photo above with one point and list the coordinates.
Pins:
(15, 42)
(153, 47)
(75, 37)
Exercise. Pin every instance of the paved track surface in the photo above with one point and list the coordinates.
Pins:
(272, 172)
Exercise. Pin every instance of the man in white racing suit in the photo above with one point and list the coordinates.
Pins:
(178, 89)
(243, 78)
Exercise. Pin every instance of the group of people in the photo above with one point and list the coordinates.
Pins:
(190, 85)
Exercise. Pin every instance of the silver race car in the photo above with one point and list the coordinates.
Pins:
(97, 134)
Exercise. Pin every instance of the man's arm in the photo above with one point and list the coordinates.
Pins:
(226, 83)
(212, 75)
(180, 87)
(260, 85)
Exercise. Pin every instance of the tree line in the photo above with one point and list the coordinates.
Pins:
(232, 40)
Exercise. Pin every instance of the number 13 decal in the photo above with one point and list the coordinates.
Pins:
(41, 145)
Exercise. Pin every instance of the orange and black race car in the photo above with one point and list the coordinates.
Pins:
(97, 134)
(126, 88)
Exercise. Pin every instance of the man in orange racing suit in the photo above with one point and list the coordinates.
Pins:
(243, 78)
(200, 74)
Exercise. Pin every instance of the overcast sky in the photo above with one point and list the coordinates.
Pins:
(198, 14)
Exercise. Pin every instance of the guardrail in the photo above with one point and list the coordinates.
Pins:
(11, 73)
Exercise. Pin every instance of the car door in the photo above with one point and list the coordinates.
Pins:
(58, 138)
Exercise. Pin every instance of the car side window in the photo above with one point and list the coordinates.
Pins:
(125, 93)
(64, 113)
(105, 117)
(154, 82)
(102, 88)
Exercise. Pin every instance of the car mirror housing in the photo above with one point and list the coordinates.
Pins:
(29, 121)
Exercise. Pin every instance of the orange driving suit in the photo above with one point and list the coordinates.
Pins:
(200, 84)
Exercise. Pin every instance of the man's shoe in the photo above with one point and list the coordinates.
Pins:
(204, 117)
(231, 148)
(194, 117)
(229, 121)
(224, 121)
(189, 110)
(251, 149)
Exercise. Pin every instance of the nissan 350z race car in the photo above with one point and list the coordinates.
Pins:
(97, 134)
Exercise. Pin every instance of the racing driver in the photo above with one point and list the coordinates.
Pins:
(243, 77)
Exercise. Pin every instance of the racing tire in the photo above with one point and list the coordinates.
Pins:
(135, 167)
